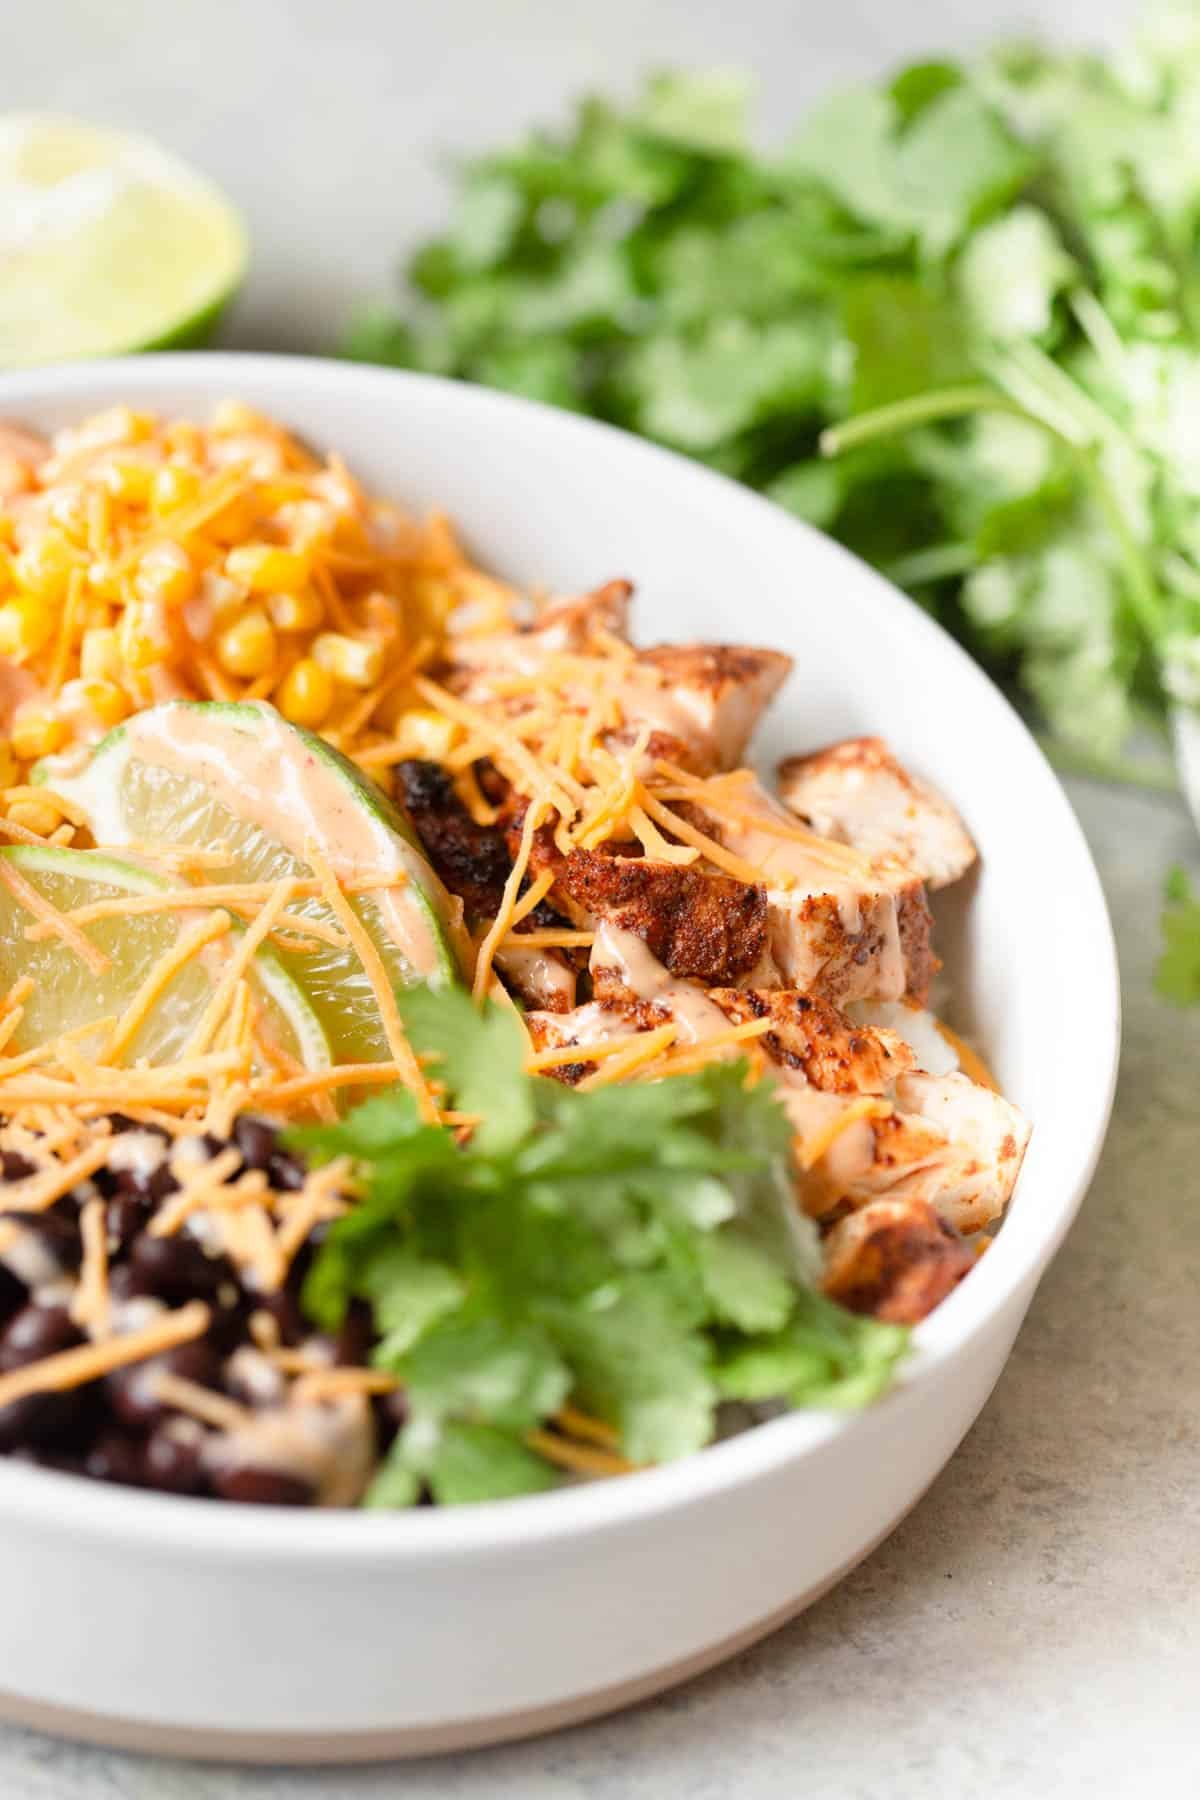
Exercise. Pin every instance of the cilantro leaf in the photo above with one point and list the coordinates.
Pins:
(467, 1462)
(479, 1057)
(975, 284)
(603, 1248)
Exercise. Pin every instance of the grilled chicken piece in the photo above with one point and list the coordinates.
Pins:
(708, 696)
(869, 1125)
(474, 862)
(940, 1138)
(858, 793)
(894, 1260)
(709, 928)
(839, 924)
(985, 1138)
(567, 626)
(701, 701)
(811, 1037)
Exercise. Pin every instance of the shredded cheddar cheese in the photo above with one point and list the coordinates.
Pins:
(71, 1368)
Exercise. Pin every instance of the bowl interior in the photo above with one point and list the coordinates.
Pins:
(562, 504)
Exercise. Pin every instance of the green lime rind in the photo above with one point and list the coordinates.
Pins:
(116, 245)
(104, 870)
(206, 792)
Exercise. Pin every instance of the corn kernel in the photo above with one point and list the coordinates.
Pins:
(100, 654)
(165, 574)
(232, 416)
(8, 764)
(26, 626)
(69, 511)
(302, 610)
(309, 523)
(305, 694)
(38, 816)
(44, 565)
(264, 569)
(36, 732)
(103, 577)
(106, 702)
(141, 637)
(119, 425)
(383, 615)
(427, 735)
(352, 660)
(175, 485)
(246, 647)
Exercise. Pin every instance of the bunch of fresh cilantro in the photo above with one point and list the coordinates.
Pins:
(635, 1250)
(955, 321)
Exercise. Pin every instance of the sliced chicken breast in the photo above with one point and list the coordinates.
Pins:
(868, 1123)
(708, 696)
(566, 627)
(709, 928)
(839, 924)
(894, 1260)
(858, 793)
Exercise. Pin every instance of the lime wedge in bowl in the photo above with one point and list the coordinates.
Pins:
(67, 993)
(107, 244)
(240, 783)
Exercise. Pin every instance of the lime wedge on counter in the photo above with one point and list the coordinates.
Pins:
(107, 244)
(240, 778)
(67, 993)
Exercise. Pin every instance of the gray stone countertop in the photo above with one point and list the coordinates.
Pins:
(1032, 1630)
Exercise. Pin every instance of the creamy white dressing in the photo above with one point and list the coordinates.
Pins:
(640, 971)
(330, 1444)
(290, 794)
(32, 1261)
(137, 1153)
(542, 977)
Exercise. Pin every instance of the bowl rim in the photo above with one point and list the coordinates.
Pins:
(1014, 1263)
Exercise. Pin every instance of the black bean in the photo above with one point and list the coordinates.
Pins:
(116, 1457)
(14, 1166)
(125, 1217)
(391, 1416)
(35, 1332)
(256, 1140)
(172, 1459)
(262, 1487)
(284, 1308)
(13, 1293)
(57, 1235)
(177, 1268)
(355, 1336)
(123, 1283)
(48, 1419)
(63, 1460)
(131, 1391)
(156, 1185)
(286, 1172)
(119, 1121)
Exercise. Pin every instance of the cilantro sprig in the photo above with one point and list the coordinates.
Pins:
(636, 1250)
(955, 321)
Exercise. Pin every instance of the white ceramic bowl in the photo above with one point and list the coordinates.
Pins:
(265, 1633)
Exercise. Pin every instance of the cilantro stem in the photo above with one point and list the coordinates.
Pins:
(1144, 596)
(941, 562)
(917, 409)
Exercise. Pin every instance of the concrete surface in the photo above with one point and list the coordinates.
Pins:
(1031, 1632)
